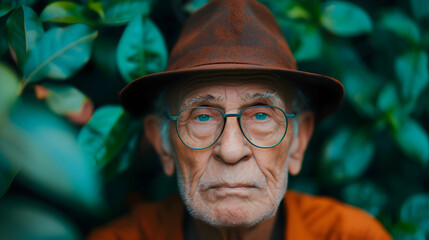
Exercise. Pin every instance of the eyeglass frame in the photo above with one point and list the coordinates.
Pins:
(224, 116)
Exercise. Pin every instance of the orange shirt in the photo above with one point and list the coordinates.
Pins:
(307, 217)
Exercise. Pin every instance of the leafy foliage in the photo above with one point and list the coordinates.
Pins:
(24, 29)
(69, 12)
(122, 11)
(141, 50)
(63, 59)
(105, 134)
(366, 195)
(416, 210)
(346, 155)
(9, 89)
(7, 174)
(63, 99)
(59, 53)
(338, 17)
(29, 219)
(36, 134)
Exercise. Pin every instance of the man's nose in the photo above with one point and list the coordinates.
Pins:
(232, 146)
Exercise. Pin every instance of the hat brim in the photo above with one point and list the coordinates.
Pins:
(325, 94)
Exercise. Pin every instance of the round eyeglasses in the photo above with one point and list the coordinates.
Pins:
(200, 127)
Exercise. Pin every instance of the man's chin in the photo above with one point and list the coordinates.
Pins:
(232, 213)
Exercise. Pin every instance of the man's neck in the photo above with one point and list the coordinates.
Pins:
(269, 229)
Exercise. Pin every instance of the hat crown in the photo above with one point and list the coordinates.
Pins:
(231, 31)
(234, 37)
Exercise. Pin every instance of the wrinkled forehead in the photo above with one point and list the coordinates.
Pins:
(250, 87)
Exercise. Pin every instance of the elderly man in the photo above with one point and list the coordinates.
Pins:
(233, 117)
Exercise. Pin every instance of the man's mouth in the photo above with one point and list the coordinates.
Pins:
(235, 185)
(213, 185)
(232, 189)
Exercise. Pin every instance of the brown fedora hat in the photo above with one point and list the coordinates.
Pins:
(233, 36)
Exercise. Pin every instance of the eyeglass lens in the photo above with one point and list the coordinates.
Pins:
(200, 127)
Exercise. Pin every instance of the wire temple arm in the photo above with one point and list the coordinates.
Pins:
(290, 115)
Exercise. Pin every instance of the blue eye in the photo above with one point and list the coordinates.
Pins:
(261, 116)
(203, 118)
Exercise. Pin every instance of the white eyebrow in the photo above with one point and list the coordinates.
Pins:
(272, 98)
(202, 99)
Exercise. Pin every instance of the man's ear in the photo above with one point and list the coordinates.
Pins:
(153, 134)
(305, 122)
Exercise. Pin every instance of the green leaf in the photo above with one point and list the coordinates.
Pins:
(141, 50)
(311, 44)
(313, 6)
(7, 5)
(68, 12)
(412, 72)
(296, 12)
(63, 99)
(416, 210)
(121, 11)
(124, 159)
(7, 174)
(17, 3)
(5, 10)
(25, 29)
(60, 53)
(388, 98)
(194, 5)
(420, 8)
(361, 88)
(366, 195)
(96, 6)
(407, 231)
(8, 90)
(345, 19)
(29, 219)
(279, 8)
(104, 135)
(400, 24)
(293, 33)
(44, 146)
(389, 105)
(414, 141)
(346, 155)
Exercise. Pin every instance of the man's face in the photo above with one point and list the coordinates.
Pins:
(233, 183)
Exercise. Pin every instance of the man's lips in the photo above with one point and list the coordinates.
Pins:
(231, 190)
(232, 186)
(239, 185)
